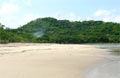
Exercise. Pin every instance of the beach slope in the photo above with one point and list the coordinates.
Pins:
(29, 60)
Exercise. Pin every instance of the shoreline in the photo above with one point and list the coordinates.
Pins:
(48, 60)
(108, 67)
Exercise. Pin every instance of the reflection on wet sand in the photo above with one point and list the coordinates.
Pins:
(110, 68)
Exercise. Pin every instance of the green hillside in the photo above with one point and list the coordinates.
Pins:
(12, 35)
(51, 30)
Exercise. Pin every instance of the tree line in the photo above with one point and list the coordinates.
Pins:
(51, 30)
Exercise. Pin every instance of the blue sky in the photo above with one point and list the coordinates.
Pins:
(15, 13)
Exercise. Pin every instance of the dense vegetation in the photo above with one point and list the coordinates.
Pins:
(51, 30)
(11, 35)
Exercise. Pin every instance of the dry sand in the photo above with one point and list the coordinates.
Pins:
(47, 60)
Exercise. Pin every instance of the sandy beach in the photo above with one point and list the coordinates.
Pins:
(47, 60)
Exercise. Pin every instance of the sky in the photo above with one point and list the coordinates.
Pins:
(15, 13)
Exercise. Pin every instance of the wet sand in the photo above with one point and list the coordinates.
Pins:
(110, 67)
(47, 60)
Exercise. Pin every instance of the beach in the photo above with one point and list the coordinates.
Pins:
(28, 60)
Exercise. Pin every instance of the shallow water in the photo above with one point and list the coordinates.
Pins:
(110, 68)
(106, 70)
(114, 48)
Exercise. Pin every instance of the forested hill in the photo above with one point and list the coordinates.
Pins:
(51, 30)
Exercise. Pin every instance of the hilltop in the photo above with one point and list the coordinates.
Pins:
(51, 30)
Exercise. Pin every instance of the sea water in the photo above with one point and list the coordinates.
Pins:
(110, 68)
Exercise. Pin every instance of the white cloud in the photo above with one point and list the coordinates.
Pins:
(106, 19)
(14, 22)
(107, 15)
(29, 17)
(72, 16)
(67, 16)
(27, 2)
(8, 21)
(117, 19)
(8, 8)
(102, 13)
(88, 18)
(11, 1)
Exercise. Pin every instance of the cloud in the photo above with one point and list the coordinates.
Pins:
(117, 19)
(29, 17)
(67, 16)
(14, 22)
(106, 19)
(27, 2)
(107, 15)
(8, 11)
(8, 8)
(102, 13)
(12, 1)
